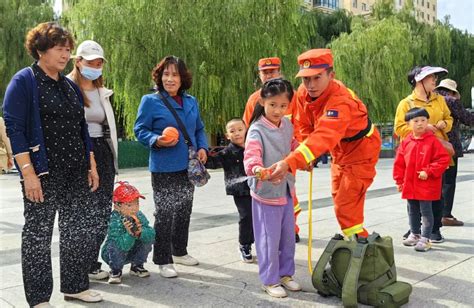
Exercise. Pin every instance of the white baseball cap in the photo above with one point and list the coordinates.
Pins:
(90, 50)
(428, 70)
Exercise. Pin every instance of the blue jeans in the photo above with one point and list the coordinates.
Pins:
(137, 255)
(417, 208)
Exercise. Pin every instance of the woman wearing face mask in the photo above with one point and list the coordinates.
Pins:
(87, 74)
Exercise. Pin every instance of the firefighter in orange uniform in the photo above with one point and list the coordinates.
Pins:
(332, 118)
(269, 68)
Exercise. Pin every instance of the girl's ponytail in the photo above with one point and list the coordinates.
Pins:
(257, 113)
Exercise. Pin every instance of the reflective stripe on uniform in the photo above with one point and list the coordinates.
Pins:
(353, 230)
(352, 93)
(306, 152)
(297, 208)
(371, 131)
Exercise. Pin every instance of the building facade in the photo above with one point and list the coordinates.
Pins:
(424, 10)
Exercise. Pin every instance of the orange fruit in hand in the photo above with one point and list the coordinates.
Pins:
(170, 134)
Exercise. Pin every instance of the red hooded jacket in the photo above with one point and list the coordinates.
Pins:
(415, 155)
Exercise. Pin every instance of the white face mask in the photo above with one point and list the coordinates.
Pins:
(91, 73)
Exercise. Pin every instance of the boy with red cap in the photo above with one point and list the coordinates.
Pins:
(129, 237)
(331, 118)
(269, 68)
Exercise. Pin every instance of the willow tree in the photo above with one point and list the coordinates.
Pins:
(373, 61)
(461, 68)
(17, 17)
(329, 26)
(219, 40)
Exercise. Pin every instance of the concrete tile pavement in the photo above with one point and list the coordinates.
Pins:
(442, 277)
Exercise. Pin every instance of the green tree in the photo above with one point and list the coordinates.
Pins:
(17, 17)
(461, 67)
(219, 40)
(373, 61)
(329, 26)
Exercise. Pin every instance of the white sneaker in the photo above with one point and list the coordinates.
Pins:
(185, 260)
(290, 284)
(411, 240)
(98, 275)
(168, 271)
(424, 244)
(275, 290)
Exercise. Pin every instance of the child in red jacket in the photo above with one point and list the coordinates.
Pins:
(418, 168)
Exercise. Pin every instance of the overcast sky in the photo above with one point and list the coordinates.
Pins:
(461, 12)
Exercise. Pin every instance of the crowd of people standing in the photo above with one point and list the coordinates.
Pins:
(63, 138)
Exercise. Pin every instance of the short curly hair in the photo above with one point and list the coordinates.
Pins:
(184, 73)
(46, 35)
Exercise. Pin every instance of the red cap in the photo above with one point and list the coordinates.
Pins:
(269, 63)
(126, 193)
(314, 61)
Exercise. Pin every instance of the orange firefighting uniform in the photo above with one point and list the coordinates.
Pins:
(249, 108)
(338, 113)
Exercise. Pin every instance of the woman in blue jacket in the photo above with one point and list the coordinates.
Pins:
(44, 116)
(173, 192)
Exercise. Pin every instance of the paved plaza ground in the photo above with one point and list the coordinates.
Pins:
(442, 277)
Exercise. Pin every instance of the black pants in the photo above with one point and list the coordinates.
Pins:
(244, 206)
(102, 197)
(449, 188)
(70, 196)
(173, 195)
(437, 208)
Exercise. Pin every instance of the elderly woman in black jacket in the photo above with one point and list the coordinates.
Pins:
(448, 88)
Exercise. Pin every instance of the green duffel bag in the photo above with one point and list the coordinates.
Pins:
(360, 270)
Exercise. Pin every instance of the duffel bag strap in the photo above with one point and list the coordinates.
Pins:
(351, 279)
(318, 272)
(373, 237)
(377, 283)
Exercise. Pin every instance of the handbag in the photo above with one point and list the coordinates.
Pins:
(197, 173)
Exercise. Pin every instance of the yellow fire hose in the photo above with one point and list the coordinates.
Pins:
(310, 221)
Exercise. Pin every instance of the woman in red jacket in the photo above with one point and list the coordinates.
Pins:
(418, 168)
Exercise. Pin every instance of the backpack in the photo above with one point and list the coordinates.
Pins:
(360, 270)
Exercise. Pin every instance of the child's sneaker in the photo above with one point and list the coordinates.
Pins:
(288, 283)
(411, 240)
(275, 290)
(115, 277)
(423, 244)
(139, 271)
(246, 253)
(98, 274)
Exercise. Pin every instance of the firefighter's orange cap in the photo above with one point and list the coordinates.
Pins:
(314, 61)
(269, 63)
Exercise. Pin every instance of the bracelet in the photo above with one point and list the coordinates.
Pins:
(25, 166)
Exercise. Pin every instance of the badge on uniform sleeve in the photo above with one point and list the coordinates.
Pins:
(332, 113)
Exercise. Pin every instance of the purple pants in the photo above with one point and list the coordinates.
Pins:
(274, 231)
